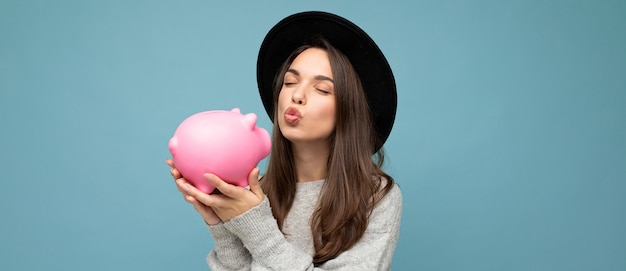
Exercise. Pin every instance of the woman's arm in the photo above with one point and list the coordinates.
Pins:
(229, 252)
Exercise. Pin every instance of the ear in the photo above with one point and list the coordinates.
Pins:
(236, 110)
(250, 120)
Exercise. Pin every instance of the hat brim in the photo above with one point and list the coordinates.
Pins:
(366, 58)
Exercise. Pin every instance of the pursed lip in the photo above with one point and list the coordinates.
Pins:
(292, 115)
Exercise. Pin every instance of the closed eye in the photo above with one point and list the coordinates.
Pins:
(323, 91)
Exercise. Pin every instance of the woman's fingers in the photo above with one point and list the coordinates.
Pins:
(192, 191)
(253, 181)
(224, 187)
(234, 191)
(175, 173)
(207, 213)
(232, 201)
(180, 182)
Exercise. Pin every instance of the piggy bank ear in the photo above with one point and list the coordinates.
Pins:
(250, 120)
(236, 110)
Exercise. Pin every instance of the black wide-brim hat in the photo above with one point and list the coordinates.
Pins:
(365, 56)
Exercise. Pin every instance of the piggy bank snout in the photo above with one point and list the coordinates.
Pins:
(172, 145)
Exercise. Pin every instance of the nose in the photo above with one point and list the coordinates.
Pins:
(298, 96)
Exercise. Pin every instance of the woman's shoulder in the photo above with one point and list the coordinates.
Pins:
(393, 191)
(387, 213)
(393, 196)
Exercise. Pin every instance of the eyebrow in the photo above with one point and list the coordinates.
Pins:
(318, 77)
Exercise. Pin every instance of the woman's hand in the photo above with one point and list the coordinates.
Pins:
(205, 211)
(233, 200)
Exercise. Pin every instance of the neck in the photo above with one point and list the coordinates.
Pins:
(311, 162)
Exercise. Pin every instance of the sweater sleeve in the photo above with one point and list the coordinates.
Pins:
(259, 232)
(228, 253)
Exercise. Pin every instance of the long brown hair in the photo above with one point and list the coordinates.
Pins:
(355, 182)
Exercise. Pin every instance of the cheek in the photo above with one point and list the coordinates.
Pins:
(327, 112)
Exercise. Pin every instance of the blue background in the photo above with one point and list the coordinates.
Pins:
(509, 143)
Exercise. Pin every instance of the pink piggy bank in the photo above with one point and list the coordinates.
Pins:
(225, 143)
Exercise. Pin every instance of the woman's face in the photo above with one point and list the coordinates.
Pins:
(306, 103)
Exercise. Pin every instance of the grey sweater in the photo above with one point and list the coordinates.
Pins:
(253, 241)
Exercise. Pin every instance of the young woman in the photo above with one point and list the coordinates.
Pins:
(324, 203)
